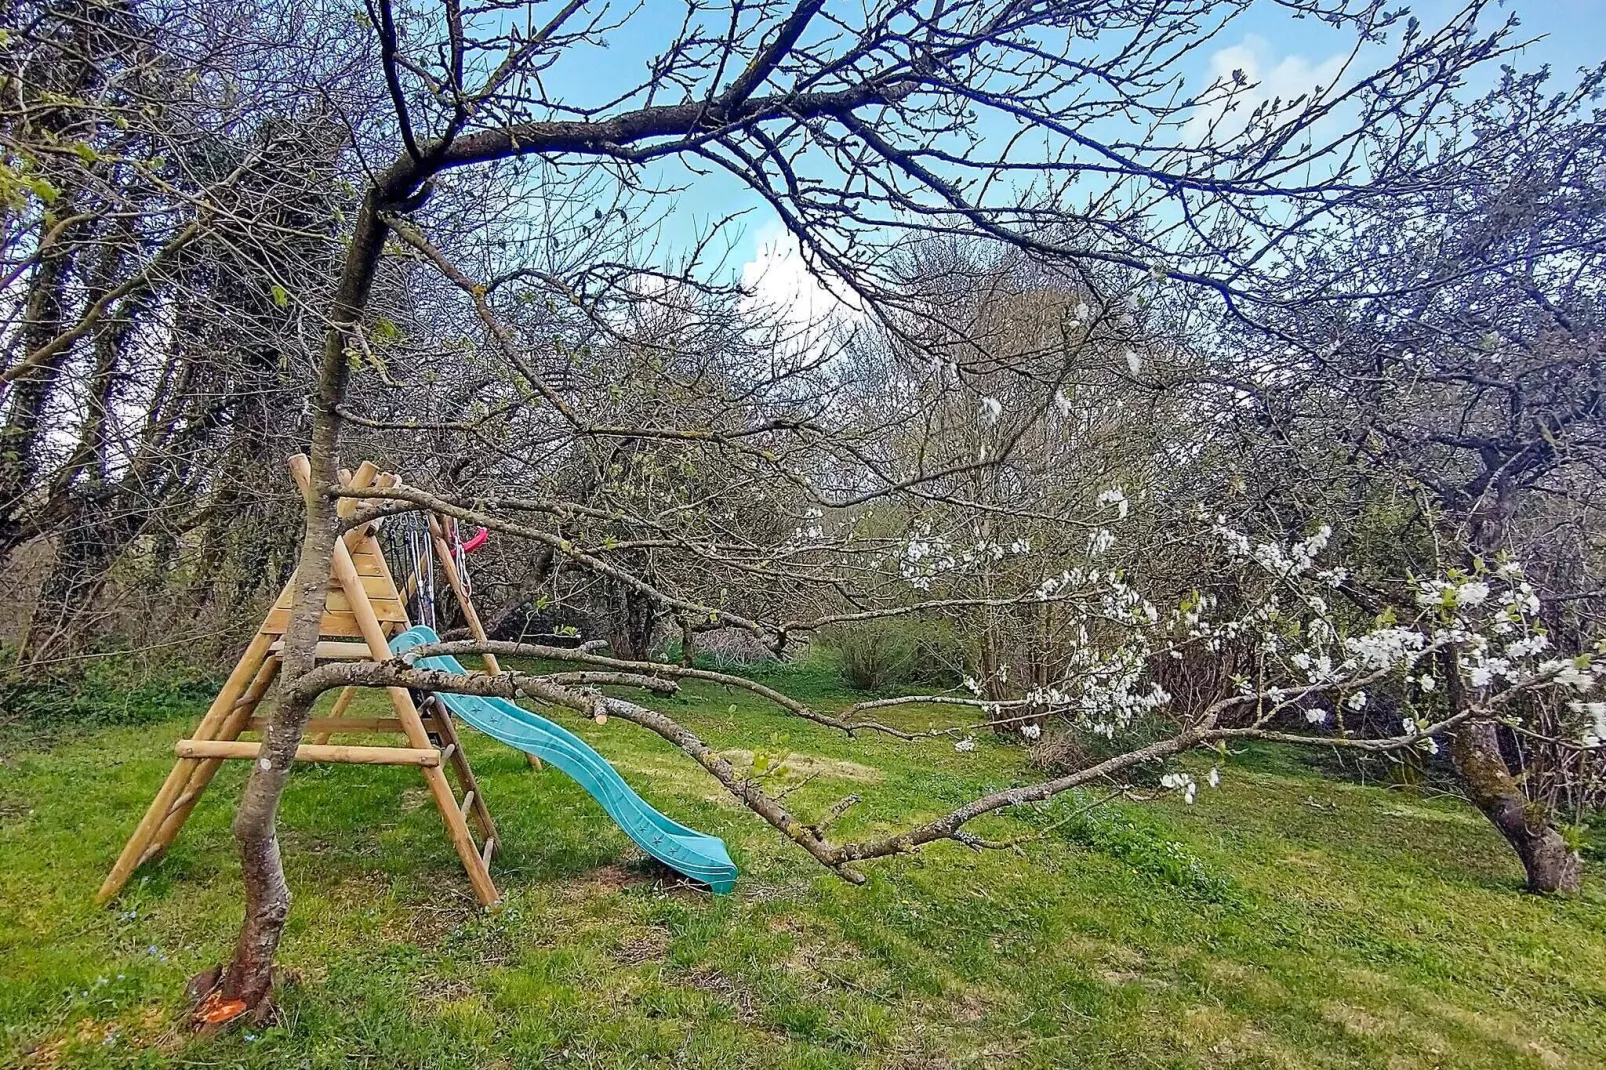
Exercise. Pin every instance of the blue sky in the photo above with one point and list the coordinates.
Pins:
(1285, 54)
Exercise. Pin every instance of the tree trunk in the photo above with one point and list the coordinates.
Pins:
(631, 619)
(249, 978)
(1550, 864)
(688, 643)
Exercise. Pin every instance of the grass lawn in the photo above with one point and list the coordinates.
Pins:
(1282, 921)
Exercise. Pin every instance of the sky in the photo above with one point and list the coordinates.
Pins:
(1287, 56)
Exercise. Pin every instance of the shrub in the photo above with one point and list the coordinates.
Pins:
(880, 654)
(107, 692)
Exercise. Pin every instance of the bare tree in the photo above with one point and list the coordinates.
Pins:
(1052, 128)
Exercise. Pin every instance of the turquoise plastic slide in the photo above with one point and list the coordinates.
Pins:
(693, 853)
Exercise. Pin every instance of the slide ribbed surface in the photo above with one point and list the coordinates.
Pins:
(697, 855)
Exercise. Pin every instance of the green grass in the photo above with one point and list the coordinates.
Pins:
(1282, 921)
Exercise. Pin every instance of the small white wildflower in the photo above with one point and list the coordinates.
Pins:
(1215, 777)
(1031, 731)
(991, 410)
(1428, 683)
(1356, 701)
(1316, 715)
(966, 745)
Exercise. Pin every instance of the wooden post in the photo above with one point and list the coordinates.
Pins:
(202, 777)
(443, 550)
(177, 780)
(366, 475)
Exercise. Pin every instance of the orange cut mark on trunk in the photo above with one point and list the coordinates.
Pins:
(214, 1009)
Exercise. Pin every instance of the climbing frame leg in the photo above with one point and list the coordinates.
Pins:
(452, 745)
(208, 767)
(178, 779)
(443, 550)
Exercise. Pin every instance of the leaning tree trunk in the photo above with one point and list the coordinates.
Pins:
(249, 977)
(1551, 866)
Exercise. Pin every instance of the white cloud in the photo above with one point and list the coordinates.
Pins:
(780, 285)
(1267, 75)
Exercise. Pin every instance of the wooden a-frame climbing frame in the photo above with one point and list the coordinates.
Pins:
(361, 602)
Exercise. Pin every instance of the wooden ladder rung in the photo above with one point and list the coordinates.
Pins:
(486, 851)
(319, 725)
(312, 752)
(446, 755)
(467, 804)
(332, 651)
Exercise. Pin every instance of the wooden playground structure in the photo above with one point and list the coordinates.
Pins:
(363, 603)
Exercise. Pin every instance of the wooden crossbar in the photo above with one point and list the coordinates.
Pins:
(311, 752)
(322, 726)
(331, 651)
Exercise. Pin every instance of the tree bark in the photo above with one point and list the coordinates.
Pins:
(249, 977)
(1551, 866)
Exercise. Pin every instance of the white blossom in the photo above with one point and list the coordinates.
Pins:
(1185, 781)
(1117, 497)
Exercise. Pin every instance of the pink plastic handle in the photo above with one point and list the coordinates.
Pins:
(477, 541)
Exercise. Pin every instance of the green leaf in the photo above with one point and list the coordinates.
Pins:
(281, 296)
